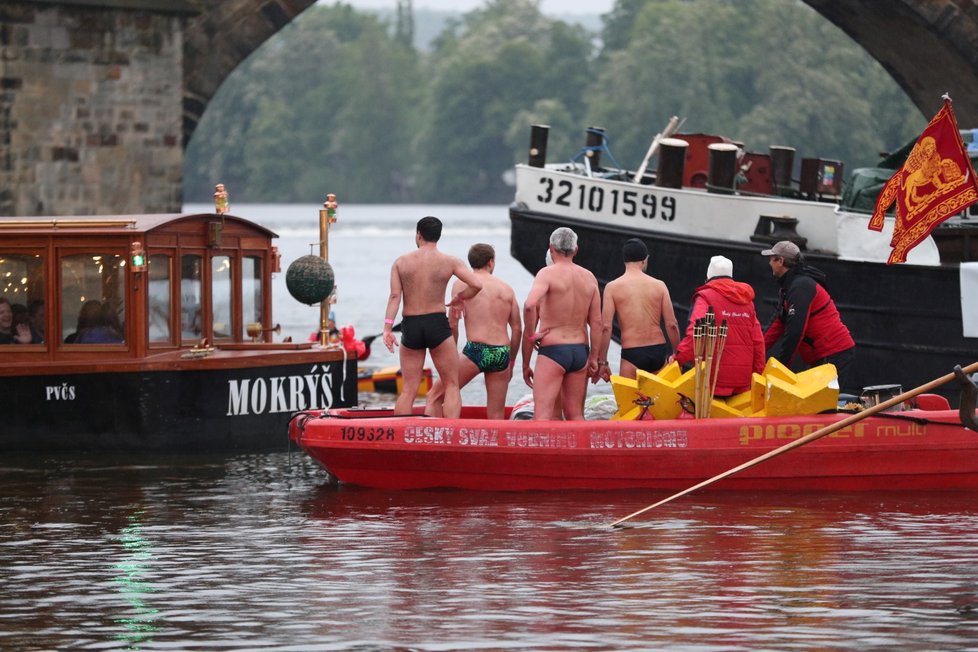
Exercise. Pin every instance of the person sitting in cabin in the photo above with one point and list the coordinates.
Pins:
(35, 313)
(10, 332)
(643, 306)
(806, 321)
(22, 317)
(493, 330)
(743, 350)
(98, 323)
(88, 316)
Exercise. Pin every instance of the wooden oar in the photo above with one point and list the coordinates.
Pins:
(818, 434)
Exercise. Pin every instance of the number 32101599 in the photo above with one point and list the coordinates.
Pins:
(629, 203)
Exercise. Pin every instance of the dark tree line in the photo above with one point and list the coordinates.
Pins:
(342, 101)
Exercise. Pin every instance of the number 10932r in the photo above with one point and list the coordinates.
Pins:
(363, 433)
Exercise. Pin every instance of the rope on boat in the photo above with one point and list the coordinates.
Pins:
(605, 146)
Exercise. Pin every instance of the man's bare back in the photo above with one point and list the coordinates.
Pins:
(565, 294)
(641, 302)
(426, 271)
(488, 315)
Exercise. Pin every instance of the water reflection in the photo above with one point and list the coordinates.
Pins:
(134, 587)
(256, 551)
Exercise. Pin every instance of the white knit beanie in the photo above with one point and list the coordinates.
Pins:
(719, 266)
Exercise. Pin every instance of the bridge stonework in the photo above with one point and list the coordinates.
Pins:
(928, 46)
(98, 98)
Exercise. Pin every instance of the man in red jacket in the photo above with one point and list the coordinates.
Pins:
(733, 303)
(806, 321)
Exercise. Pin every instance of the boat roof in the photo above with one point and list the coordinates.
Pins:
(111, 224)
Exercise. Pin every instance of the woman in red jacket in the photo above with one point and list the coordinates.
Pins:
(733, 303)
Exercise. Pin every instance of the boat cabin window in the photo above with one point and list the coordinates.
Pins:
(22, 313)
(93, 298)
(160, 288)
(222, 293)
(191, 297)
(251, 297)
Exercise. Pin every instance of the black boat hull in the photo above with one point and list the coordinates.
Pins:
(906, 319)
(219, 409)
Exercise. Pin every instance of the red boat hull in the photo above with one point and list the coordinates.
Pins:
(926, 450)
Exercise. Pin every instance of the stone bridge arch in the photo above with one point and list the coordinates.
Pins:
(220, 37)
(928, 46)
(98, 98)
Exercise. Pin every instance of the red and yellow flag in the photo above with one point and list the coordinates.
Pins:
(936, 182)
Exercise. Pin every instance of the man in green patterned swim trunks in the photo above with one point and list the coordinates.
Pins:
(492, 330)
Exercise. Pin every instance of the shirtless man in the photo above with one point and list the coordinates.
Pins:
(564, 299)
(422, 276)
(642, 304)
(493, 331)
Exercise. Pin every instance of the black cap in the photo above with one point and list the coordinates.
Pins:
(634, 250)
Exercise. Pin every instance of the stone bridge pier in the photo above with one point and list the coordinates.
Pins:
(98, 98)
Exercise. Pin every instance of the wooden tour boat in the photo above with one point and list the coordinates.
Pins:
(151, 332)
(926, 446)
(706, 196)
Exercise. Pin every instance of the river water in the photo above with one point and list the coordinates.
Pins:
(245, 552)
(259, 552)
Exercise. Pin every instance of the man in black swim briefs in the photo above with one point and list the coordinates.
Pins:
(421, 277)
(646, 318)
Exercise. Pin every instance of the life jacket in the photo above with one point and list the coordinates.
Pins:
(821, 332)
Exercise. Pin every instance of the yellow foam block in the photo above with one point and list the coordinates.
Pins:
(814, 391)
(774, 369)
(670, 373)
(741, 402)
(721, 409)
(822, 375)
(758, 392)
(666, 394)
(626, 395)
(660, 391)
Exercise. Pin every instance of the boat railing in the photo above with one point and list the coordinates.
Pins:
(55, 223)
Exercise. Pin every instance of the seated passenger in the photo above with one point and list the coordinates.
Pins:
(88, 317)
(11, 333)
(105, 330)
(35, 310)
(22, 322)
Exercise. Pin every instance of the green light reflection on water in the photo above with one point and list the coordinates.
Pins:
(134, 587)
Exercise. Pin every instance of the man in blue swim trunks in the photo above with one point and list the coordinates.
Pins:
(564, 305)
(493, 330)
(644, 309)
(421, 277)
